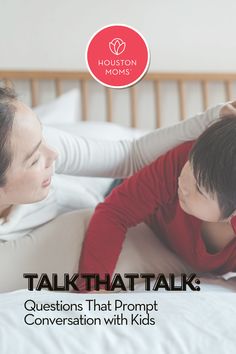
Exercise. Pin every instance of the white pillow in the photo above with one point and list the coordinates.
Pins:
(64, 109)
(63, 113)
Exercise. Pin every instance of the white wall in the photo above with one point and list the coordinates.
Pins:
(183, 35)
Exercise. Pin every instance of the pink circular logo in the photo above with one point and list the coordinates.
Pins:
(117, 56)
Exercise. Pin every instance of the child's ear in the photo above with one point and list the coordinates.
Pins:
(233, 221)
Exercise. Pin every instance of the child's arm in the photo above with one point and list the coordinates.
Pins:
(128, 205)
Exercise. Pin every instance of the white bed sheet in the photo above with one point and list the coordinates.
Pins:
(197, 322)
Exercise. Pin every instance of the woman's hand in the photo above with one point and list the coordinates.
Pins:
(228, 109)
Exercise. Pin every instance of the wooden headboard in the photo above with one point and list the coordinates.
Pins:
(156, 78)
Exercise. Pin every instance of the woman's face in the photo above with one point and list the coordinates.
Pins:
(29, 176)
(195, 200)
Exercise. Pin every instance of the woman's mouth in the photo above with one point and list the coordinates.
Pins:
(46, 182)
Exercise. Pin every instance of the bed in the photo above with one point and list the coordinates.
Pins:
(181, 90)
(185, 322)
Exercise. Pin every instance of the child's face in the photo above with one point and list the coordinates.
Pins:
(194, 200)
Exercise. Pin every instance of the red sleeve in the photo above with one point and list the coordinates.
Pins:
(128, 205)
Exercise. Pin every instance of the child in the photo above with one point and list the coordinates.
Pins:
(187, 196)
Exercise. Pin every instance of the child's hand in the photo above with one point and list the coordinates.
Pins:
(104, 291)
(99, 291)
(228, 109)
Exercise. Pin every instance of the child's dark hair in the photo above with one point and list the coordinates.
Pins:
(213, 159)
(8, 99)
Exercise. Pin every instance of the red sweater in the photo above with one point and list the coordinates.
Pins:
(151, 196)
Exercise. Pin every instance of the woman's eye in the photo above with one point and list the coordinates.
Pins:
(34, 163)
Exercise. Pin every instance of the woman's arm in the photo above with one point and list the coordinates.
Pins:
(87, 157)
(129, 204)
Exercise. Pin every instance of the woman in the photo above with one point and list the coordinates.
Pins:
(187, 196)
(30, 198)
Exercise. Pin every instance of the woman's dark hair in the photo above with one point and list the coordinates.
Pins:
(213, 159)
(8, 99)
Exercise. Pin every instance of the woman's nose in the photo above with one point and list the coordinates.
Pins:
(51, 156)
(55, 154)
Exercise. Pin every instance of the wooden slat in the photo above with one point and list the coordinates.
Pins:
(58, 87)
(108, 104)
(133, 106)
(228, 90)
(205, 94)
(157, 103)
(84, 99)
(34, 92)
(181, 100)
